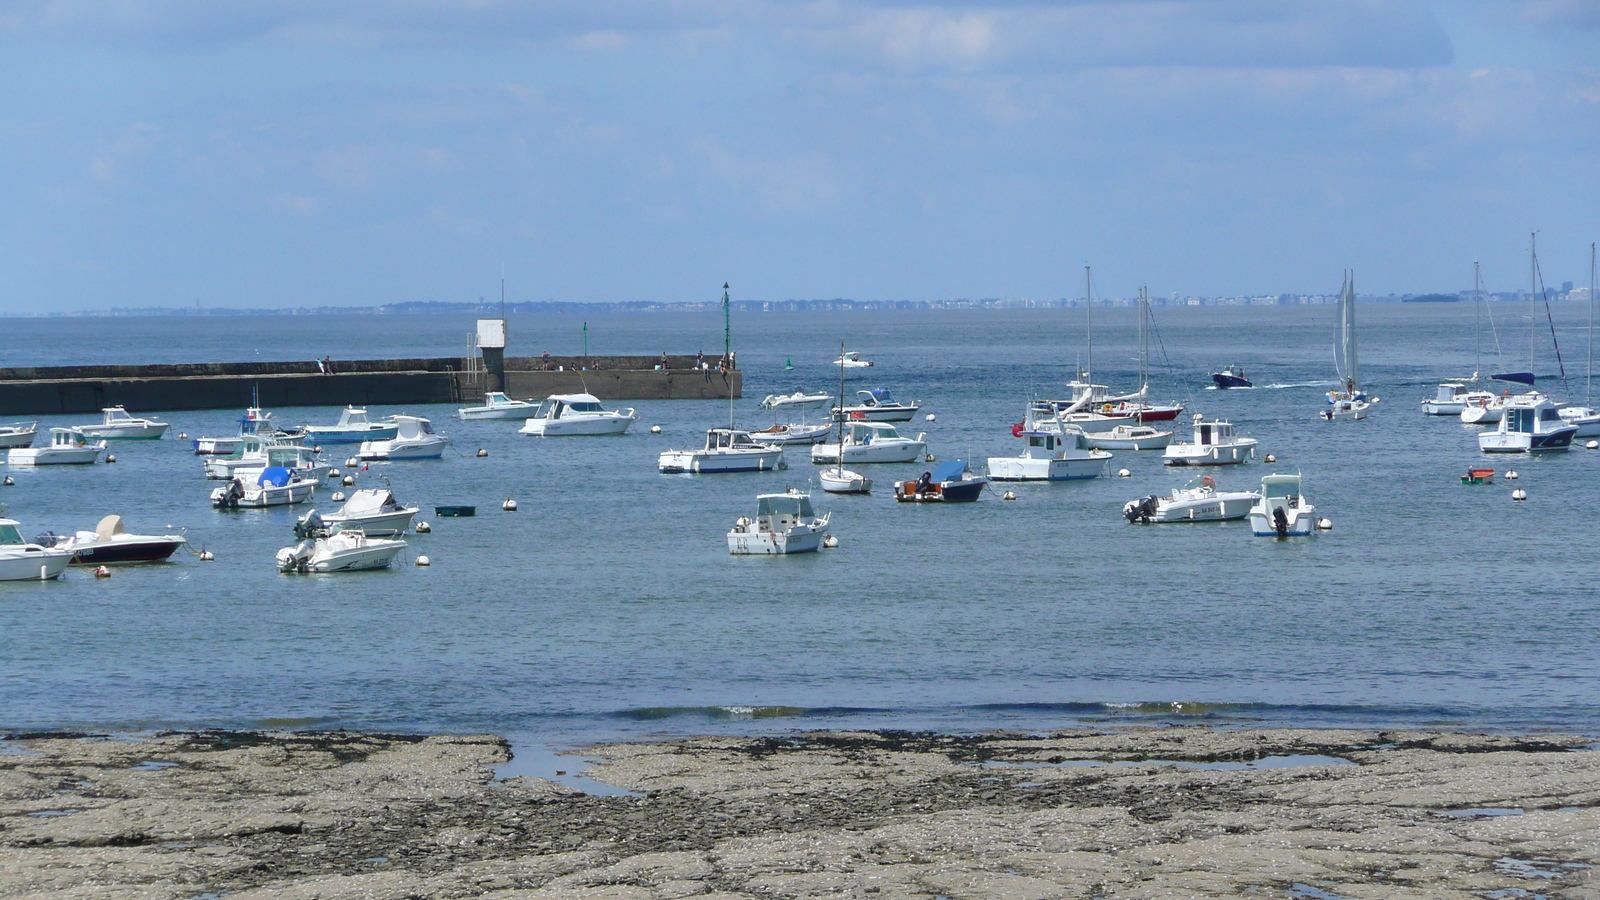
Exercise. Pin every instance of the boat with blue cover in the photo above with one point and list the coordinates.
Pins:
(949, 482)
(275, 486)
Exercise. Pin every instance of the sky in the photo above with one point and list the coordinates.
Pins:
(264, 153)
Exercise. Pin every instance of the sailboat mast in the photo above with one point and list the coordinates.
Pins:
(1477, 323)
(839, 419)
(1350, 358)
(727, 366)
(1088, 329)
(1533, 309)
(1588, 378)
(1144, 338)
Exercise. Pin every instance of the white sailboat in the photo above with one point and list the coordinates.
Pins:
(1453, 397)
(1349, 402)
(840, 480)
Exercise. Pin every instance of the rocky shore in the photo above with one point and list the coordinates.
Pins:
(1150, 812)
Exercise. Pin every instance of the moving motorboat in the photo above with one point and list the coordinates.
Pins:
(784, 523)
(1453, 397)
(1282, 511)
(110, 544)
(335, 549)
(1200, 501)
(21, 560)
(726, 450)
(949, 482)
(851, 360)
(375, 511)
(17, 434)
(1231, 377)
(870, 442)
(878, 405)
(274, 486)
(496, 405)
(1530, 423)
(1126, 437)
(1215, 444)
(577, 414)
(67, 447)
(1349, 402)
(353, 427)
(414, 439)
(117, 425)
(1049, 456)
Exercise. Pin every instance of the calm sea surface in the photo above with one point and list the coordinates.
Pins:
(608, 606)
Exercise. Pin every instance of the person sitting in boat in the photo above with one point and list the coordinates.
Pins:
(925, 483)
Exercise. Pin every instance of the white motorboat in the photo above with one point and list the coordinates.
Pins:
(414, 439)
(799, 399)
(878, 405)
(336, 549)
(1068, 417)
(787, 430)
(496, 405)
(1282, 511)
(1049, 456)
(840, 480)
(784, 523)
(1349, 402)
(117, 425)
(353, 428)
(1199, 502)
(22, 560)
(375, 511)
(275, 486)
(67, 447)
(792, 433)
(1452, 398)
(870, 442)
(110, 544)
(726, 450)
(18, 434)
(254, 421)
(1531, 423)
(577, 414)
(1126, 437)
(260, 451)
(1483, 410)
(1586, 417)
(216, 446)
(852, 360)
(1215, 444)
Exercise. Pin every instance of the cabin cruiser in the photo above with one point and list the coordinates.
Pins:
(24, 561)
(797, 399)
(110, 544)
(496, 405)
(1231, 377)
(17, 434)
(878, 405)
(1214, 444)
(254, 421)
(784, 523)
(1587, 418)
(353, 428)
(1126, 437)
(335, 549)
(1451, 398)
(870, 442)
(67, 447)
(374, 511)
(851, 360)
(726, 450)
(576, 414)
(1049, 456)
(1200, 501)
(117, 425)
(949, 482)
(1530, 423)
(414, 439)
(1282, 511)
(258, 451)
(274, 486)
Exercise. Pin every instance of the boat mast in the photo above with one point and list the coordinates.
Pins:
(1144, 340)
(1477, 324)
(839, 419)
(727, 367)
(1588, 378)
(1533, 309)
(1088, 330)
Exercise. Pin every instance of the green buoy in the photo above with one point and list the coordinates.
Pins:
(788, 366)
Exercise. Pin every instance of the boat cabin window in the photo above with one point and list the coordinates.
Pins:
(1205, 434)
(586, 406)
(1519, 419)
(1281, 489)
(799, 507)
(1549, 415)
(10, 535)
(550, 409)
(427, 427)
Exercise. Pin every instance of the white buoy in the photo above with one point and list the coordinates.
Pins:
(102, 572)
(207, 556)
(509, 506)
(111, 457)
(348, 481)
(1519, 494)
(928, 417)
(482, 453)
(424, 561)
(183, 435)
(1511, 475)
(1123, 473)
(8, 482)
(1324, 524)
(338, 497)
(829, 542)
(352, 462)
(1593, 445)
(1271, 458)
(1009, 495)
(655, 429)
(423, 528)
(316, 448)
(334, 473)
(930, 458)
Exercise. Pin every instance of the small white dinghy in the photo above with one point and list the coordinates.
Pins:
(852, 360)
(1282, 511)
(784, 523)
(67, 447)
(21, 560)
(341, 549)
(844, 481)
(117, 425)
(375, 511)
(1199, 502)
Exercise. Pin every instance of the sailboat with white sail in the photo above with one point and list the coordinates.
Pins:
(1349, 402)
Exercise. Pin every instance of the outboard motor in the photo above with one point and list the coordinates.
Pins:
(229, 498)
(1140, 511)
(1280, 521)
(310, 526)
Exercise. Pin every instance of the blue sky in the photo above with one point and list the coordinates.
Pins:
(346, 152)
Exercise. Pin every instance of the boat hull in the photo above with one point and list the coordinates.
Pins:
(1210, 454)
(519, 411)
(33, 564)
(1225, 382)
(876, 452)
(322, 434)
(10, 439)
(585, 427)
(115, 552)
(1301, 522)
(1482, 415)
(377, 525)
(1222, 507)
(51, 456)
(701, 462)
(1111, 440)
(801, 539)
(880, 413)
(204, 446)
(152, 432)
(402, 450)
(288, 495)
(844, 481)
(965, 491)
(1443, 407)
(1022, 468)
(1522, 442)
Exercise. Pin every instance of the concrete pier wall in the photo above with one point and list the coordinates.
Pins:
(88, 389)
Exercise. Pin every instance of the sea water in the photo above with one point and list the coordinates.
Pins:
(609, 607)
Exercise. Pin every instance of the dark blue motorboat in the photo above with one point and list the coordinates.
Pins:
(1231, 377)
(948, 483)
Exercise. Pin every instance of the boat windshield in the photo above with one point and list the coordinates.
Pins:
(10, 535)
(549, 409)
(799, 507)
(588, 406)
(1275, 489)
(426, 426)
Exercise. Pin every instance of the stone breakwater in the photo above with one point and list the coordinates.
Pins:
(1170, 812)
